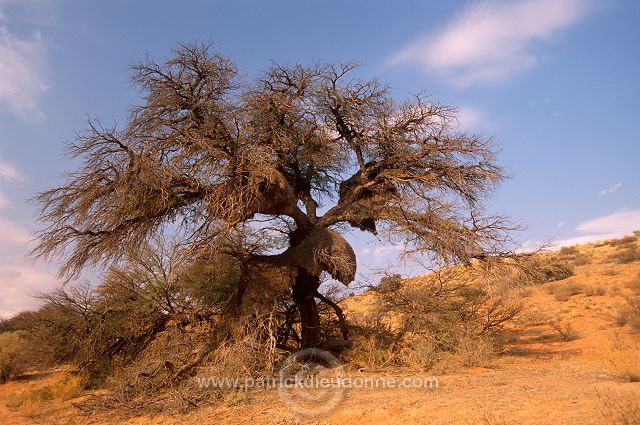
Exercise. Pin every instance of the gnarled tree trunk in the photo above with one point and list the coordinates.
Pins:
(304, 292)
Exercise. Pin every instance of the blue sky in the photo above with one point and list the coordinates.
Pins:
(556, 84)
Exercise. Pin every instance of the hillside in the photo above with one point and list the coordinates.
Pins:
(572, 356)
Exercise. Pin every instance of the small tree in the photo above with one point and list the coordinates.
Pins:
(242, 169)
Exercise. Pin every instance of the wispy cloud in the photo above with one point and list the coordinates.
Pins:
(9, 172)
(492, 40)
(470, 117)
(609, 190)
(21, 69)
(20, 280)
(4, 201)
(609, 226)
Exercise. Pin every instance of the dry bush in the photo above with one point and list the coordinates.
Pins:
(565, 330)
(163, 376)
(573, 255)
(525, 293)
(630, 314)
(624, 360)
(436, 320)
(595, 291)
(628, 254)
(569, 250)
(11, 347)
(56, 387)
(475, 351)
(535, 317)
(374, 344)
(562, 291)
(624, 241)
(236, 398)
(623, 410)
(553, 270)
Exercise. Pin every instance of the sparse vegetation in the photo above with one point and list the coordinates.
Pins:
(630, 314)
(547, 269)
(621, 410)
(574, 256)
(625, 362)
(625, 255)
(237, 398)
(565, 330)
(562, 291)
(440, 320)
(595, 291)
(446, 322)
(11, 347)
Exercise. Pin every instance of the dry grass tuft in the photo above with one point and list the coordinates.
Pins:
(630, 314)
(40, 395)
(626, 255)
(237, 398)
(621, 410)
(562, 291)
(625, 362)
(565, 330)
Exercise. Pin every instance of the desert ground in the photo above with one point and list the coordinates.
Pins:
(572, 357)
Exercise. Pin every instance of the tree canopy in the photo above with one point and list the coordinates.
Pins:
(287, 161)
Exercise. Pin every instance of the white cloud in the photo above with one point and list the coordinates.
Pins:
(606, 227)
(492, 40)
(382, 253)
(609, 190)
(19, 279)
(21, 64)
(13, 237)
(470, 117)
(9, 172)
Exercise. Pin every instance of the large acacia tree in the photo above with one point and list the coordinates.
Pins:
(272, 172)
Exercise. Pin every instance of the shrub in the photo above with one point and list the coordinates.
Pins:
(565, 330)
(563, 291)
(437, 319)
(621, 410)
(237, 398)
(625, 362)
(543, 270)
(569, 250)
(535, 317)
(626, 255)
(595, 291)
(631, 313)
(626, 240)
(573, 255)
(11, 345)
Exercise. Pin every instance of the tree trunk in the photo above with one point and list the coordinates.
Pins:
(304, 292)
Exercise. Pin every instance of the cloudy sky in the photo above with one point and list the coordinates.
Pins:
(554, 82)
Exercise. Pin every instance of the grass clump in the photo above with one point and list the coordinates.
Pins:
(621, 410)
(625, 362)
(630, 314)
(574, 256)
(237, 398)
(565, 330)
(563, 291)
(626, 255)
